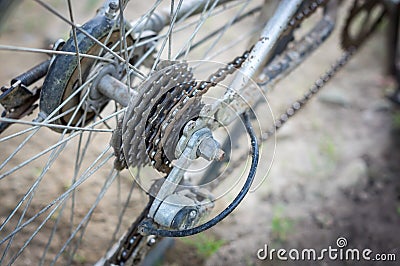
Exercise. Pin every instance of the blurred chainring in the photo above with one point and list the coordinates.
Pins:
(363, 19)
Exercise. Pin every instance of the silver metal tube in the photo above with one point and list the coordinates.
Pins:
(260, 53)
(115, 89)
(270, 35)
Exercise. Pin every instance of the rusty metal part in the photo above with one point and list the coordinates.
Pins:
(17, 100)
(114, 89)
(167, 76)
(171, 132)
(63, 76)
(133, 246)
(210, 150)
(296, 53)
(306, 11)
(165, 103)
(33, 74)
(197, 92)
(363, 19)
(165, 142)
(26, 108)
(186, 109)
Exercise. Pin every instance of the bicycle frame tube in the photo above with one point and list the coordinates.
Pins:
(269, 36)
(261, 51)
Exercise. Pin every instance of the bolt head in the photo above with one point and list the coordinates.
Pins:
(205, 110)
(189, 126)
(151, 241)
(210, 150)
(192, 214)
(113, 6)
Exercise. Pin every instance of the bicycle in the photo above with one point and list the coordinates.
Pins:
(158, 119)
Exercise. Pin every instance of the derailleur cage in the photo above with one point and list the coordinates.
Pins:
(184, 208)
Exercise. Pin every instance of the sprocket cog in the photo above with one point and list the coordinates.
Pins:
(363, 19)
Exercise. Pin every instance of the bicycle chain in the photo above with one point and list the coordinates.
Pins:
(315, 88)
(163, 151)
(165, 122)
(306, 12)
(132, 148)
(176, 104)
(297, 105)
(349, 46)
(174, 98)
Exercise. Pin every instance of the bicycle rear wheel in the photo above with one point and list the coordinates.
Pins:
(62, 200)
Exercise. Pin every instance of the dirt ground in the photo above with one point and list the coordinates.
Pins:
(335, 172)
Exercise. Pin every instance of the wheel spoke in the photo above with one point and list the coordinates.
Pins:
(13, 48)
(204, 15)
(78, 90)
(78, 56)
(31, 192)
(93, 168)
(243, 38)
(226, 27)
(64, 140)
(57, 202)
(173, 19)
(54, 155)
(84, 222)
(124, 44)
(55, 12)
(171, 14)
(41, 153)
(221, 31)
(121, 215)
(48, 125)
(80, 155)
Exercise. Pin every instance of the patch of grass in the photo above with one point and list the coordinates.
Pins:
(205, 245)
(396, 120)
(398, 209)
(55, 215)
(159, 262)
(328, 148)
(80, 259)
(66, 185)
(37, 171)
(281, 226)
(324, 161)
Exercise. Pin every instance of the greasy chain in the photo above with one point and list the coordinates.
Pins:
(133, 239)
